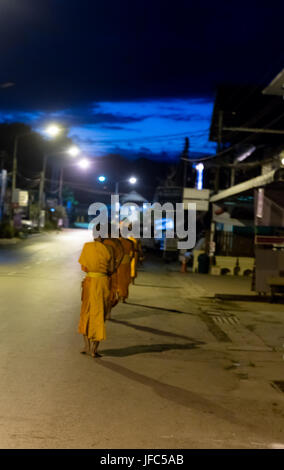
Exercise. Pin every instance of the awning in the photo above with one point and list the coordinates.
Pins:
(245, 186)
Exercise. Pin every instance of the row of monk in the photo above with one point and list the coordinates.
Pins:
(110, 265)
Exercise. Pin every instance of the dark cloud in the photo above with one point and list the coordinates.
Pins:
(65, 54)
(117, 128)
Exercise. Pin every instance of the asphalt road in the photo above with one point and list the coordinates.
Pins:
(179, 369)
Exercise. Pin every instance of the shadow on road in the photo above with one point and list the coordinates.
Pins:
(160, 287)
(146, 348)
(177, 395)
(154, 331)
(158, 308)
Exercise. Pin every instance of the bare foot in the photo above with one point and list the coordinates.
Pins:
(84, 351)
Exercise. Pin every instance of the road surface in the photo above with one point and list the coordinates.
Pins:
(179, 368)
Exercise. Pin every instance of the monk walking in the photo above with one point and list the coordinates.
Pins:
(124, 270)
(138, 255)
(118, 251)
(97, 260)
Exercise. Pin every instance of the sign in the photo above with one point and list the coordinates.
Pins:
(260, 201)
(20, 198)
(200, 197)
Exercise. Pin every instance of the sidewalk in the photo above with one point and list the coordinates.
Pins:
(212, 286)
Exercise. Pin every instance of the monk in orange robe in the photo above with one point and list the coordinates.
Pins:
(138, 255)
(124, 270)
(118, 256)
(97, 260)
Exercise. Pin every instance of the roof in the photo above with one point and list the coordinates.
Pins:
(276, 87)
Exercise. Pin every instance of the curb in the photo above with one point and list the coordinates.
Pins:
(9, 241)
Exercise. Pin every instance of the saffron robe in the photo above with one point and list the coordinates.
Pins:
(98, 260)
(123, 272)
(137, 254)
(118, 256)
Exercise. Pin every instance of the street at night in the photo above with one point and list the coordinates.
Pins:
(141, 230)
(180, 368)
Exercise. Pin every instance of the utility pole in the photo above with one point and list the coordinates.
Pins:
(60, 186)
(2, 191)
(14, 169)
(41, 184)
(219, 148)
(185, 161)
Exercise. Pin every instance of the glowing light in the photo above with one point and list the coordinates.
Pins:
(84, 164)
(132, 180)
(101, 178)
(73, 151)
(199, 168)
(282, 161)
(246, 154)
(53, 130)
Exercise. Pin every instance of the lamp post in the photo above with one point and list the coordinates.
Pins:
(53, 130)
(15, 160)
(83, 164)
(131, 180)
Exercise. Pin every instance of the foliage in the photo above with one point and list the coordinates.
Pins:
(34, 212)
(6, 230)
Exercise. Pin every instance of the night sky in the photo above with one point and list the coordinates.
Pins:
(132, 77)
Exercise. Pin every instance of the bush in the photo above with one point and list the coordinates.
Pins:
(50, 225)
(6, 230)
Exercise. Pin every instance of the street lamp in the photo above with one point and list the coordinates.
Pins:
(74, 151)
(84, 164)
(102, 178)
(131, 180)
(53, 130)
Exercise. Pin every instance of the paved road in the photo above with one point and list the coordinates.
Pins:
(180, 369)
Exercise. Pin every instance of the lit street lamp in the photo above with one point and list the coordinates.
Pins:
(74, 151)
(131, 180)
(53, 130)
(84, 163)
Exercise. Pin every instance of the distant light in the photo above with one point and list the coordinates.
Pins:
(132, 180)
(52, 209)
(246, 154)
(199, 168)
(282, 161)
(73, 151)
(101, 178)
(84, 164)
(53, 130)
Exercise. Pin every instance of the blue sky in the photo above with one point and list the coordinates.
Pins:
(151, 128)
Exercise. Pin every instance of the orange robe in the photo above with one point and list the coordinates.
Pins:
(118, 255)
(96, 260)
(123, 273)
(137, 255)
